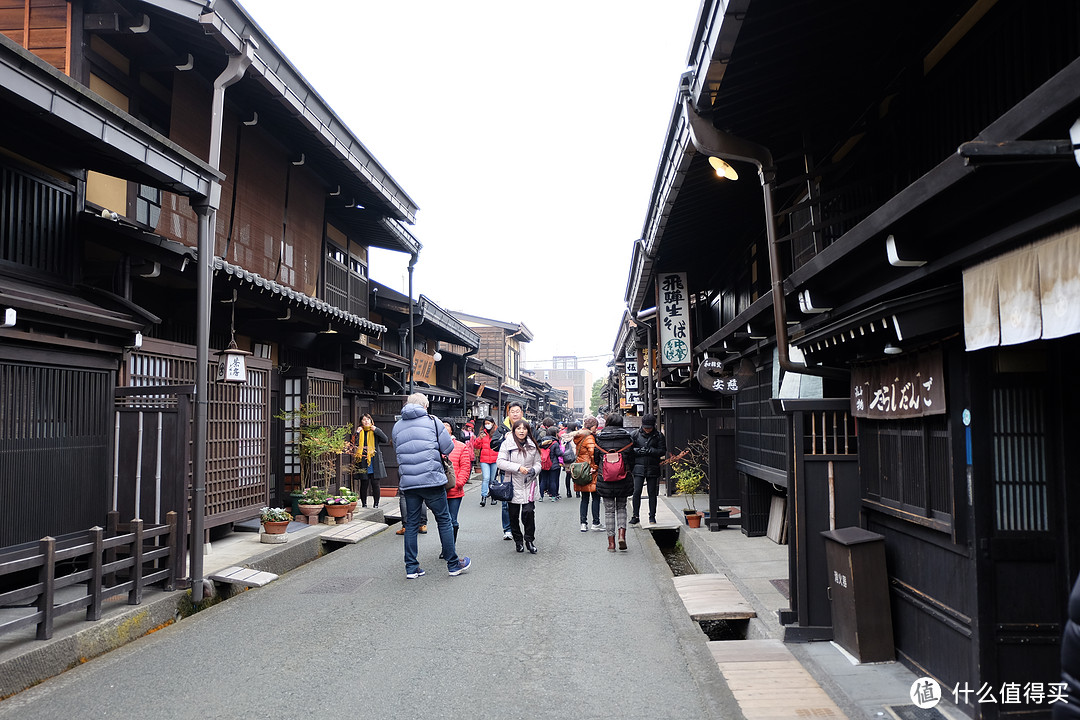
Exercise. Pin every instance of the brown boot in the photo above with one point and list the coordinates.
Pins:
(622, 538)
(611, 543)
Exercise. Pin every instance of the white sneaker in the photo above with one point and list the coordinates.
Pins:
(597, 526)
(541, 498)
(584, 527)
(507, 535)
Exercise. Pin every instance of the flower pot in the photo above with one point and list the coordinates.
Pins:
(275, 527)
(336, 511)
(694, 520)
(311, 509)
(351, 506)
(295, 498)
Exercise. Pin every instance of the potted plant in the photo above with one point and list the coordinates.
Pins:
(689, 471)
(349, 495)
(336, 505)
(311, 500)
(318, 446)
(275, 520)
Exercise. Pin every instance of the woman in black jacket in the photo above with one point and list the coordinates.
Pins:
(1070, 660)
(614, 439)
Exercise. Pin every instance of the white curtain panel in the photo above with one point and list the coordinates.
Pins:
(1024, 295)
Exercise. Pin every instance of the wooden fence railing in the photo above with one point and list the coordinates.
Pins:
(123, 559)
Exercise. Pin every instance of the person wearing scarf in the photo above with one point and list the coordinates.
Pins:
(368, 460)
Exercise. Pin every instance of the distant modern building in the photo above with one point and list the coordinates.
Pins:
(564, 374)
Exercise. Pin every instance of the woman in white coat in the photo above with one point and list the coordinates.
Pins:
(519, 458)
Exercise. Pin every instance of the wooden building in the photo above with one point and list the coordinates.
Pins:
(873, 208)
(501, 346)
(180, 124)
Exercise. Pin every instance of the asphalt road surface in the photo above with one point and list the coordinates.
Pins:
(571, 632)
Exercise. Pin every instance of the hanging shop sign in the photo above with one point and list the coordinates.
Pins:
(423, 367)
(912, 385)
(632, 386)
(712, 375)
(673, 319)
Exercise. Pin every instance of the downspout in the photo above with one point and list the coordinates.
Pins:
(412, 342)
(710, 141)
(207, 213)
(465, 381)
(646, 317)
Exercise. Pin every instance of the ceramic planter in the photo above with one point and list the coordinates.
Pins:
(275, 527)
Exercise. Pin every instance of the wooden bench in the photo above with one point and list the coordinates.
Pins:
(247, 577)
(353, 532)
(768, 682)
(711, 596)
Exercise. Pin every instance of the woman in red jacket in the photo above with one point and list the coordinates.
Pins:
(461, 458)
(488, 457)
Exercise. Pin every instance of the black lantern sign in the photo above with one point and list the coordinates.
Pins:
(712, 376)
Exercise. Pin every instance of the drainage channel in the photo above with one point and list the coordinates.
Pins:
(672, 550)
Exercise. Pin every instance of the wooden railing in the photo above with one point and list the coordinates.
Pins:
(123, 559)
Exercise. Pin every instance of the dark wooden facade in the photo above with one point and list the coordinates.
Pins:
(854, 117)
(98, 242)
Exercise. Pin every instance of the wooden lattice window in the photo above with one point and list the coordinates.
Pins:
(761, 433)
(906, 466)
(54, 443)
(238, 425)
(36, 223)
(1020, 473)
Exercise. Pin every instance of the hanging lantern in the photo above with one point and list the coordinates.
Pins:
(231, 364)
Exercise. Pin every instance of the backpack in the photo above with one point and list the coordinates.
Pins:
(612, 467)
(569, 452)
(545, 457)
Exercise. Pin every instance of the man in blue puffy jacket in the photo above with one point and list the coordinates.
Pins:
(419, 441)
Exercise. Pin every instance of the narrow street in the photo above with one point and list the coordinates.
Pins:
(572, 632)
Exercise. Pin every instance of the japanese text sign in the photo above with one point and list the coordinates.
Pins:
(911, 386)
(673, 317)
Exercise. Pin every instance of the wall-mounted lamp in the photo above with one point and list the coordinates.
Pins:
(137, 342)
(9, 317)
(723, 169)
(891, 349)
(437, 356)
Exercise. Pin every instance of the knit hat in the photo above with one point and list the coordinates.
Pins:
(648, 421)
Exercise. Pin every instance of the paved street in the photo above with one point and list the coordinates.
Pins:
(572, 632)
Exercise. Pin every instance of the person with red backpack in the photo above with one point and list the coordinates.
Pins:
(549, 464)
(614, 475)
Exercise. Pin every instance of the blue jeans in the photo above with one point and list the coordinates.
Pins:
(454, 504)
(506, 517)
(585, 496)
(488, 472)
(435, 498)
(549, 482)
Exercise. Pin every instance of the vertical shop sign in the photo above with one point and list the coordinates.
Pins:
(673, 317)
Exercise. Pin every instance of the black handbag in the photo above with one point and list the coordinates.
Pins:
(501, 489)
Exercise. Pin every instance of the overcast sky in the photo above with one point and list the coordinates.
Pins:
(527, 133)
